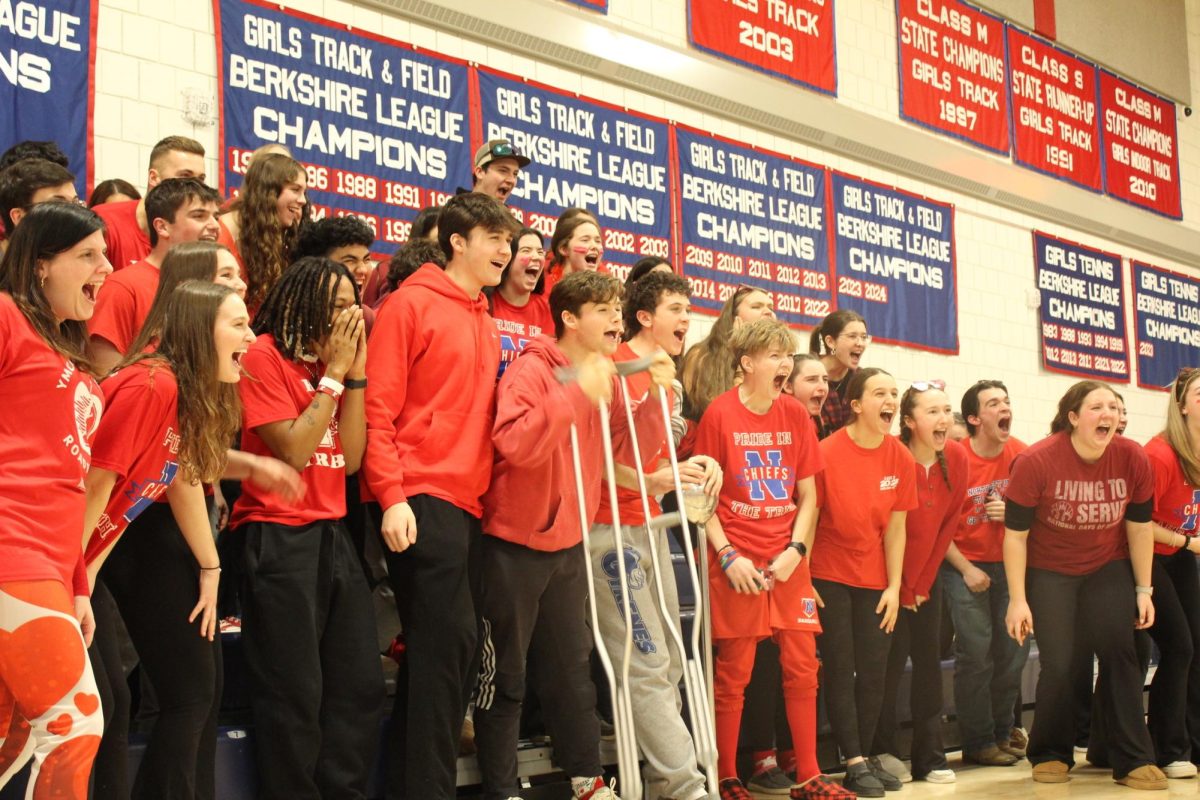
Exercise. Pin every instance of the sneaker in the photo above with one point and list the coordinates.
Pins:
(1180, 769)
(770, 781)
(733, 789)
(820, 787)
(1051, 772)
(895, 766)
(890, 782)
(990, 756)
(231, 624)
(592, 789)
(940, 776)
(1146, 776)
(862, 781)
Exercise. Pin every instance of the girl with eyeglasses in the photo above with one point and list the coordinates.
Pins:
(864, 496)
(839, 340)
(941, 478)
(1078, 556)
(519, 305)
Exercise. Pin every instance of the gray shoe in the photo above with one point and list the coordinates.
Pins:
(772, 782)
(890, 782)
(895, 766)
(861, 780)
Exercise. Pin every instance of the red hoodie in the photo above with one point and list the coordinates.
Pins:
(533, 500)
(430, 404)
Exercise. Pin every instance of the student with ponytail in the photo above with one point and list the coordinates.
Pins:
(941, 478)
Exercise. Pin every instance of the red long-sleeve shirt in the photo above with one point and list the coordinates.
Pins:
(931, 525)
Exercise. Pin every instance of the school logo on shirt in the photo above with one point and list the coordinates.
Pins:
(809, 607)
(978, 496)
(636, 578)
(87, 415)
(888, 483)
(1190, 512)
(764, 474)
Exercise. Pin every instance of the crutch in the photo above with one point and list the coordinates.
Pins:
(698, 668)
(627, 750)
(693, 680)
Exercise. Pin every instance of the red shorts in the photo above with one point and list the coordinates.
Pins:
(789, 606)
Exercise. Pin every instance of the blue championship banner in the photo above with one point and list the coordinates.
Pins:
(895, 264)
(1082, 310)
(383, 130)
(47, 61)
(753, 218)
(1167, 318)
(586, 154)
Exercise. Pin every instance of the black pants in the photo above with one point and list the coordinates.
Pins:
(764, 716)
(110, 770)
(917, 636)
(1100, 609)
(154, 578)
(534, 602)
(854, 655)
(308, 632)
(435, 582)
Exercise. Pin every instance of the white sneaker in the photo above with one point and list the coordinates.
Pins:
(592, 789)
(941, 776)
(895, 766)
(1180, 769)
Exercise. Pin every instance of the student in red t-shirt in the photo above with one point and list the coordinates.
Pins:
(576, 246)
(519, 304)
(1078, 537)
(430, 408)
(127, 231)
(308, 624)
(534, 584)
(839, 340)
(656, 313)
(1174, 707)
(864, 494)
(941, 478)
(758, 574)
(261, 225)
(987, 662)
(168, 413)
(180, 210)
(51, 271)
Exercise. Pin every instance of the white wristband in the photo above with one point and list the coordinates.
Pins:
(333, 386)
(1144, 590)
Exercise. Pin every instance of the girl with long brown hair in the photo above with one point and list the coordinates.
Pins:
(576, 246)
(171, 416)
(51, 272)
(263, 223)
(839, 339)
(708, 368)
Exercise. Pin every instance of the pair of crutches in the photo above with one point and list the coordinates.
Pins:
(697, 689)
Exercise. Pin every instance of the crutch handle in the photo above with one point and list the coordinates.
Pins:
(671, 519)
(627, 368)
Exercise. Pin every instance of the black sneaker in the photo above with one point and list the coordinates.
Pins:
(860, 780)
(890, 782)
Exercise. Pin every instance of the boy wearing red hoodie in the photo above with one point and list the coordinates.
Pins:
(534, 583)
(434, 356)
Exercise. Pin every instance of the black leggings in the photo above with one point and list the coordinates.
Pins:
(110, 771)
(854, 656)
(154, 579)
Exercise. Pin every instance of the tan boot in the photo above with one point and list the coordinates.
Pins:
(1146, 776)
(990, 756)
(1051, 772)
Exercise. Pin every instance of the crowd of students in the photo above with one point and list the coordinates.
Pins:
(143, 339)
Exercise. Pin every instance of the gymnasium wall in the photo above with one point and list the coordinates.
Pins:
(158, 57)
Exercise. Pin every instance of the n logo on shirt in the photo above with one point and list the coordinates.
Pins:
(1190, 512)
(764, 476)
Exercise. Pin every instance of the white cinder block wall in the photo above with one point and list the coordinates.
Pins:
(152, 51)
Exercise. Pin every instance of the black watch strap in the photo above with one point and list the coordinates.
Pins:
(799, 548)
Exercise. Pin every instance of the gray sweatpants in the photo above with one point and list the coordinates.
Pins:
(655, 667)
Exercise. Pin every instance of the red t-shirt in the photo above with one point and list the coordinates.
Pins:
(857, 492)
(518, 325)
(139, 441)
(51, 412)
(763, 456)
(977, 538)
(1079, 522)
(123, 303)
(1176, 502)
(275, 389)
(629, 501)
(128, 243)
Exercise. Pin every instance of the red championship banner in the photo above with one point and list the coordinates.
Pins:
(952, 78)
(1141, 146)
(1053, 99)
(791, 39)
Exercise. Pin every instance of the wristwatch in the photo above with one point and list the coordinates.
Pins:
(799, 548)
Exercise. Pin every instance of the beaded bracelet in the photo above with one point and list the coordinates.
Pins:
(727, 558)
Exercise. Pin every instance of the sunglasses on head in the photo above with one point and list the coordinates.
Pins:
(1182, 379)
(505, 150)
(924, 386)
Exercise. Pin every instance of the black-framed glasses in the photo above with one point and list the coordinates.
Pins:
(924, 386)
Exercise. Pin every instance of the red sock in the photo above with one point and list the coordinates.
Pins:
(802, 719)
(763, 760)
(787, 760)
(734, 662)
